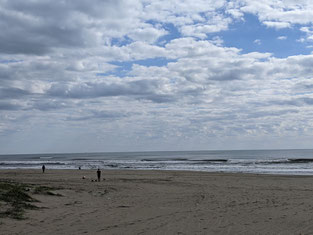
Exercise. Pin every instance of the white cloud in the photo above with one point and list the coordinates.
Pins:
(282, 38)
(196, 91)
(309, 33)
(280, 14)
(257, 41)
(147, 33)
(196, 18)
(277, 25)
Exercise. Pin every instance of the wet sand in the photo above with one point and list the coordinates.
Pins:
(165, 202)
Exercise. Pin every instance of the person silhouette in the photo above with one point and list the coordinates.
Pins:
(43, 168)
(98, 174)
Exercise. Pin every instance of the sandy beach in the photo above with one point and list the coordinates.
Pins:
(164, 202)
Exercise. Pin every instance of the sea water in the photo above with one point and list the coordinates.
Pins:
(291, 162)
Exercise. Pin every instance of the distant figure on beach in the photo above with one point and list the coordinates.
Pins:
(98, 174)
(43, 168)
(79, 168)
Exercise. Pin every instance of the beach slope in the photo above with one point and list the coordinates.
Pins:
(163, 202)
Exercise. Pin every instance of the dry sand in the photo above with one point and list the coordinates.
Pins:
(165, 202)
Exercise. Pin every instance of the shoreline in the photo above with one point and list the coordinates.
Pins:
(280, 162)
(39, 170)
(164, 202)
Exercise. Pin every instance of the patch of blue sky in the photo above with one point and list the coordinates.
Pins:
(253, 36)
(125, 67)
(173, 33)
(10, 61)
(158, 61)
(122, 69)
(120, 41)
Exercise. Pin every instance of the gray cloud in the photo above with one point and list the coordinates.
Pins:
(307, 100)
(9, 106)
(102, 115)
(140, 89)
(41, 30)
(271, 113)
(13, 93)
(48, 24)
(297, 101)
(49, 104)
(64, 63)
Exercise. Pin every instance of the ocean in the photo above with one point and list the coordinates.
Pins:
(289, 162)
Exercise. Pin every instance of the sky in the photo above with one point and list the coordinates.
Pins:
(139, 75)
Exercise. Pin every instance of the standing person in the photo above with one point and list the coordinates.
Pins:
(98, 174)
(43, 168)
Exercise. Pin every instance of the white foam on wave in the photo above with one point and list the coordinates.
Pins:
(268, 163)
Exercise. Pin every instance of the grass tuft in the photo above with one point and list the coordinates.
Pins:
(45, 190)
(15, 199)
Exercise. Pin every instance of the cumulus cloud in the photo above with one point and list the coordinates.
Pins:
(49, 25)
(154, 72)
(294, 12)
(140, 89)
(279, 14)
(309, 33)
(195, 18)
(278, 25)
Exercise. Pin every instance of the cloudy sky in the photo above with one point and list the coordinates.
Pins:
(127, 75)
